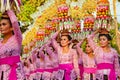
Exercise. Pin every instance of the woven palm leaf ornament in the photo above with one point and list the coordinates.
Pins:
(10, 5)
(103, 17)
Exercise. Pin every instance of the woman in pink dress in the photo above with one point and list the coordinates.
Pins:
(68, 59)
(26, 68)
(54, 58)
(10, 48)
(106, 57)
(40, 63)
(89, 66)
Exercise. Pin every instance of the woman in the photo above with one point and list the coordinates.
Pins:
(40, 63)
(26, 68)
(54, 58)
(89, 66)
(68, 59)
(106, 57)
(10, 48)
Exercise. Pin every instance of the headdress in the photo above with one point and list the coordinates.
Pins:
(10, 5)
(104, 31)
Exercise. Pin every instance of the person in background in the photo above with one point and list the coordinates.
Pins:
(88, 60)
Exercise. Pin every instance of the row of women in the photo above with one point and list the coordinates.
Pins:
(66, 60)
(56, 60)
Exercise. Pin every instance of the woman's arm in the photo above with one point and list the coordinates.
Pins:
(49, 51)
(80, 51)
(15, 25)
(116, 64)
(75, 62)
(54, 42)
(91, 41)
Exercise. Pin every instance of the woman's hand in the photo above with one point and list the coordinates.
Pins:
(98, 31)
(78, 79)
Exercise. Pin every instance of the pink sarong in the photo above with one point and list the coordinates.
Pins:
(81, 70)
(12, 61)
(55, 69)
(90, 70)
(67, 68)
(32, 72)
(112, 75)
(40, 70)
(48, 70)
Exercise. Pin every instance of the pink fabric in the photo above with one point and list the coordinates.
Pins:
(88, 62)
(55, 69)
(108, 66)
(19, 2)
(53, 55)
(15, 25)
(67, 68)
(40, 70)
(12, 62)
(48, 70)
(65, 58)
(12, 48)
(81, 70)
(103, 57)
(90, 70)
(32, 72)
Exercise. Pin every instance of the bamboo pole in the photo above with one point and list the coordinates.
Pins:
(116, 26)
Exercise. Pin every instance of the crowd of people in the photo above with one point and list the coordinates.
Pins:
(60, 58)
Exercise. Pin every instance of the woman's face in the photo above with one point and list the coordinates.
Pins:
(103, 41)
(88, 49)
(5, 26)
(64, 41)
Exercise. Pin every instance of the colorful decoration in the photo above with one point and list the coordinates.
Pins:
(77, 27)
(63, 12)
(10, 5)
(88, 22)
(41, 34)
(103, 18)
(103, 10)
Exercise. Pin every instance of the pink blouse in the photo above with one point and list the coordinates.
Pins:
(53, 55)
(88, 62)
(12, 47)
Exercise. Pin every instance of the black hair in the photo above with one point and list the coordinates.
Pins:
(106, 35)
(6, 18)
(30, 61)
(38, 55)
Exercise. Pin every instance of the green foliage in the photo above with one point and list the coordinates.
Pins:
(28, 8)
(83, 45)
(113, 42)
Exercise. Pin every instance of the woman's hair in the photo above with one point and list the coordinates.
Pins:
(106, 35)
(5, 16)
(68, 36)
(38, 56)
(30, 61)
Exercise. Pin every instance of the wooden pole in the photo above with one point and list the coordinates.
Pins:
(117, 33)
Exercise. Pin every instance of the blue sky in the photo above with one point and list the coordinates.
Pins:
(117, 8)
